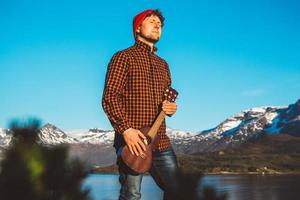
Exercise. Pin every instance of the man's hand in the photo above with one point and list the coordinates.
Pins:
(169, 107)
(133, 140)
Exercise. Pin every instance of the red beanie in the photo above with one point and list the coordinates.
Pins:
(138, 20)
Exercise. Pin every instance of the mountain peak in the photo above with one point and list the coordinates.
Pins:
(290, 119)
(233, 131)
(48, 125)
(50, 134)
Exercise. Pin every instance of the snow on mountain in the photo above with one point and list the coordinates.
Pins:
(94, 136)
(50, 134)
(235, 130)
(178, 134)
(289, 119)
(4, 137)
(245, 118)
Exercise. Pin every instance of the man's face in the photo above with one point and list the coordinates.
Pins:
(150, 28)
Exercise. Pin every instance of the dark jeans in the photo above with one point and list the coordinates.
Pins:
(163, 171)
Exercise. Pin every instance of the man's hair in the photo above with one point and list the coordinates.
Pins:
(159, 14)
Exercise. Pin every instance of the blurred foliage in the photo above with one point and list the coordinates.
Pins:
(33, 171)
(190, 188)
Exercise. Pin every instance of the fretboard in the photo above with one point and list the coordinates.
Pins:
(154, 128)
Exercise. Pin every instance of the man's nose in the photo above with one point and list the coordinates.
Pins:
(157, 25)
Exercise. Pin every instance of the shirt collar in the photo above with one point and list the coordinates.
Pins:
(141, 45)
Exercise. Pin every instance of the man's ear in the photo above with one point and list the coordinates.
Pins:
(138, 29)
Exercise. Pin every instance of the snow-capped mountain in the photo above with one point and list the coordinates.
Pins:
(52, 135)
(246, 125)
(180, 139)
(233, 131)
(93, 136)
(49, 135)
(288, 120)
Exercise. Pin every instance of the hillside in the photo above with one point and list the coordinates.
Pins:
(268, 154)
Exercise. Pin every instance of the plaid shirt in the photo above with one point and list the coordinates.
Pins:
(135, 82)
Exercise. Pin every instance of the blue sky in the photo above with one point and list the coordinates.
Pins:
(224, 56)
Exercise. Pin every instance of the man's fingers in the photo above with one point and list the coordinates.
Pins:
(169, 106)
(135, 150)
(169, 109)
(135, 142)
(140, 151)
(130, 149)
(141, 143)
(142, 135)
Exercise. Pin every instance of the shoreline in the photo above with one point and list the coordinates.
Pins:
(221, 173)
(253, 173)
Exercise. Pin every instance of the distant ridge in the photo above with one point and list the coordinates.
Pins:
(248, 126)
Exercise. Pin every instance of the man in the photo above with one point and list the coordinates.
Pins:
(133, 96)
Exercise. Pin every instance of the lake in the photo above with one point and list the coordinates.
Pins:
(237, 187)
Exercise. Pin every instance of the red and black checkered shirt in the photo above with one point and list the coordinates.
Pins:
(135, 82)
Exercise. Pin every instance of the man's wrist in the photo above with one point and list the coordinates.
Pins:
(127, 130)
(121, 128)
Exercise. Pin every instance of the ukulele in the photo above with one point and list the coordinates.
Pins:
(142, 163)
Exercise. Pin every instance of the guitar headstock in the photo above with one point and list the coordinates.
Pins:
(170, 94)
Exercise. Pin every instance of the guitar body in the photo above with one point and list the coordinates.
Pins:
(142, 163)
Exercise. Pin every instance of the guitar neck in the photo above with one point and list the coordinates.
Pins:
(154, 128)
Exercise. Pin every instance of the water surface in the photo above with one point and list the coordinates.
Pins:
(237, 187)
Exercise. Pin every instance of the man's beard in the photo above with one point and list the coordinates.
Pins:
(147, 38)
